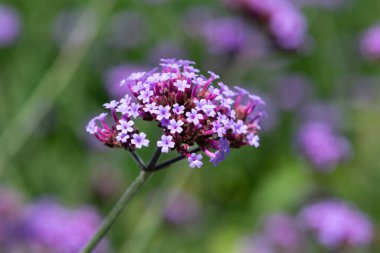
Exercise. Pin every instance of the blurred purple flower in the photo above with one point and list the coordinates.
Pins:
(11, 206)
(10, 25)
(292, 91)
(289, 27)
(283, 232)
(264, 9)
(370, 43)
(322, 145)
(51, 227)
(225, 35)
(337, 224)
(182, 209)
(114, 76)
(284, 20)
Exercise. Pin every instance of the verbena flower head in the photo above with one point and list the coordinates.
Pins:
(191, 109)
(336, 224)
(51, 227)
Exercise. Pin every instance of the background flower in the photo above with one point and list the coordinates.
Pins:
(10, 23)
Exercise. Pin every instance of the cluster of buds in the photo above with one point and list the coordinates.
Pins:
(188, 108)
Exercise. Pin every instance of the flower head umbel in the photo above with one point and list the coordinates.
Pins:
(189, 109)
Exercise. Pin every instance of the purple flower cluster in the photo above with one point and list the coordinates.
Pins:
(52, 228)
(370, 43)
(284, 20)
(337, 224)
(322, 146)
(10, 25)
(189, 109)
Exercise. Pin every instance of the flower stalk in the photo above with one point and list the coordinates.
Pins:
(145, 173)
(116, 211)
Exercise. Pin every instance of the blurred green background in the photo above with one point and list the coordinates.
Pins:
(50, 88)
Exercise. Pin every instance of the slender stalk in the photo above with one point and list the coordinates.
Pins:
(124, 200)
(171, 161)
(116, 211)
(154, 159)
(138, 160)
(168, 162)
(145, 173)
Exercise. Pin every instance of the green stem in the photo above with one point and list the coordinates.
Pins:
(154, 160)
(116, 211)
(138, 160)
